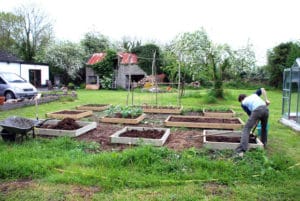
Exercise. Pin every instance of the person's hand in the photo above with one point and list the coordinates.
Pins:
(268, 102)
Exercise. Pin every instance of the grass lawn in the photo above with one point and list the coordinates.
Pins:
(66, 169)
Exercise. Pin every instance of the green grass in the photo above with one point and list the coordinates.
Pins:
(58, 167)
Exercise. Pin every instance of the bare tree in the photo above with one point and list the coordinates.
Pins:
(36, 31)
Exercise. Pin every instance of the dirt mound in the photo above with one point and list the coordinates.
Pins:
(65, 124)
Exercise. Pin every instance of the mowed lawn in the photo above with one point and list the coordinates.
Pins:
(66, 169)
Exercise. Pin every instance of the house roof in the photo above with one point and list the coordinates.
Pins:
(96, 57)
(8, 57)
(126, 58)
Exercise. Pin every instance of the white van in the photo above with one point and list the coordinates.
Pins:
(12, 86)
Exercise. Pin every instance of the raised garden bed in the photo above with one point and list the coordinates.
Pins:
(224, 139)
(74, 114)
(162, 109)
(203, 122)
(121, 120)
(93, 107)
(218, 113)
(68, 128)
(141, 135)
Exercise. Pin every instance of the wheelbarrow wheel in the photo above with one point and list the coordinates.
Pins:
(7, 137)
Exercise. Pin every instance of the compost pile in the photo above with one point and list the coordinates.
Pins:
(65, 124)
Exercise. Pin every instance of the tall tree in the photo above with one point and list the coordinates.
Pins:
(279, 58)
(35, 31)
(145, 54)
(8, 29)
(65, 59)
(94, 42)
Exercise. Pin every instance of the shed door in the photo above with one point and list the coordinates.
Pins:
(35, 77)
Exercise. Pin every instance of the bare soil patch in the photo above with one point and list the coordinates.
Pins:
(67, 112)
(204, 120)
(152, 134)
(179, 139)
(235, 139)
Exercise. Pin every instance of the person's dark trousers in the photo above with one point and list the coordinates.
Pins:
(259, 114)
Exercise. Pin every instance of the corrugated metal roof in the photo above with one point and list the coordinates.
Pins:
(128, 58)
(96, 57)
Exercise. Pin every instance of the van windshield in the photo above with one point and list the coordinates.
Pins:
(13, 78)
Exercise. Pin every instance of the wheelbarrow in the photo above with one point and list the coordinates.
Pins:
(18, 125)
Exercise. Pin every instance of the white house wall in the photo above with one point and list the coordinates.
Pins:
(44, 71)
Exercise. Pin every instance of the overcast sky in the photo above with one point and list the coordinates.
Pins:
(264, 23)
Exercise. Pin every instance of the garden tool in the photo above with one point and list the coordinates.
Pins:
(38, 96)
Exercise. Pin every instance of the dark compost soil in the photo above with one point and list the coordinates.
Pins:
(65, 124)
(95, 105)
(235, 139)
(151, 134)
(68, 112)
(204, 120)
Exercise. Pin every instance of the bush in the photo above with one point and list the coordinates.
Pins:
(71, 86)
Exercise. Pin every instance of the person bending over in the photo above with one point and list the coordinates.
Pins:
(257, 110)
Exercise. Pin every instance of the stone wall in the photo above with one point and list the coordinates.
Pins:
(122, 79)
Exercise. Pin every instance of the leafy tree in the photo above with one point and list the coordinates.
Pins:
(127, 44)
(35, 31)
(94, 42)
(67, 59)
(8, 31)
(106, 66)
(145, 60)
(279, 58)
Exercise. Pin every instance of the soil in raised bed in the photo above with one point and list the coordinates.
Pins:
(65, 124)
(95, 105)
(159, 107)
(68, 112)
(151, 134)
(217, 111)
(204, 120)
(234, 139)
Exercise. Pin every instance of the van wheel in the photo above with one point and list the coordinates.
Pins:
(9, 95)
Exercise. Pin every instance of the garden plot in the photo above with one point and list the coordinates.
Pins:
(66, 127)
(141, 135)
(93, 107)
(224, 139)
(218, 113)
(74, 114)
(203, 122)
(162, 109)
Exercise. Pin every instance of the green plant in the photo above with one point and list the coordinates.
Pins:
(71, 85)
(124, 111)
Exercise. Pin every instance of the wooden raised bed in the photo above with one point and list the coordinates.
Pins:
(222, 114)
(93, 107)
(224, 139)
(84, 127)
(115, 120)
(131, 135)
(74, 114)
(203, 122)
(162, 109)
